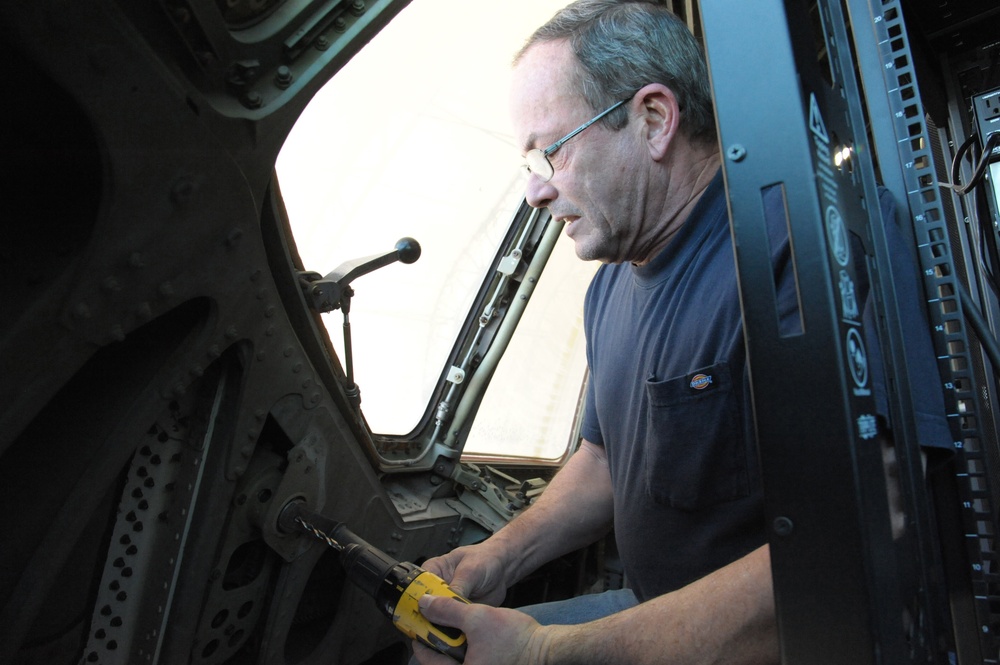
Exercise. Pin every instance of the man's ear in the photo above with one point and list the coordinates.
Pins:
(661, 116)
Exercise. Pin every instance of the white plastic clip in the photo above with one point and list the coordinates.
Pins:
(456, 375)
(508, 265)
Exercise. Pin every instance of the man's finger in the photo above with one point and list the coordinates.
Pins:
(458, 586)
(447, 611)
(435, 566)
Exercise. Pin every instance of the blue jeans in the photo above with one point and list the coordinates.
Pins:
(582, 608)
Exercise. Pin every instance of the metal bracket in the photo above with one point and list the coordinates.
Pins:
(486, 491)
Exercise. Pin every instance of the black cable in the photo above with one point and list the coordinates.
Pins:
(985, 263)
(979, 326)
(979, 169)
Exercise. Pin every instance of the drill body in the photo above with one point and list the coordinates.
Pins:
(397, 587)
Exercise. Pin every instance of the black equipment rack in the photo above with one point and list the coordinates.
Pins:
(821, 98)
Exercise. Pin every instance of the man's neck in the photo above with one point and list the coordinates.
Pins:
(690, 175)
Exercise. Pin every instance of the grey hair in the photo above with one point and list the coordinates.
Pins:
(623, 46)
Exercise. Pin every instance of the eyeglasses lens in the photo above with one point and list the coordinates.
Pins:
(537, 164)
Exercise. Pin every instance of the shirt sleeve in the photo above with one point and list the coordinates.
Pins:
(590, 427)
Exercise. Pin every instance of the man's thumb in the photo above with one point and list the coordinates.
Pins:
(440, 609)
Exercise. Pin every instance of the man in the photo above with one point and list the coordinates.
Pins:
(668, 454)
(626, 187)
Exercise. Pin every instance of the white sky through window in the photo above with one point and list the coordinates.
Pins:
(413, 138)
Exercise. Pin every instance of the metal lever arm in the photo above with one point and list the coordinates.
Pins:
(333, 291)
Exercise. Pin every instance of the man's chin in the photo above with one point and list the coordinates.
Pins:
(587, 246)
(589, 253)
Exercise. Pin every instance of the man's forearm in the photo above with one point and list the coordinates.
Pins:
(573, 511)
(726, 617)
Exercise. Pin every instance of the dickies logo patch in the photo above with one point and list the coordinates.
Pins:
(701, 381)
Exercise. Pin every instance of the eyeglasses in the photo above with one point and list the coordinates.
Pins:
(537, 161)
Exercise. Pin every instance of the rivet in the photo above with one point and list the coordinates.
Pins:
(144, 311)
(231, 332)
(269, 312)
(166, 289)
(297, 368)
(259, 414)
(213, 351)
(288, 351)
(110, 284)
(81, 311)
(252, 100)
(117, 333)
(135, 261)
(261, 294)
(260, 356)
(270, 331)
(283, 77)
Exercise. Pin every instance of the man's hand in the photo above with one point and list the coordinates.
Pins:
(496, 636)
(576, 509)
(725, 617)
(473, 572)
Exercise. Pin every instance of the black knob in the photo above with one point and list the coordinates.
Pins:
(408, 250)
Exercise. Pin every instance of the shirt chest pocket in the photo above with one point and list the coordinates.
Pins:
(695, 453)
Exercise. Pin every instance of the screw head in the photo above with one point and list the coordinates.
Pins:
(783, 526)
(736, 152)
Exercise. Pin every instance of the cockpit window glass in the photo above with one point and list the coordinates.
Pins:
(412, 138)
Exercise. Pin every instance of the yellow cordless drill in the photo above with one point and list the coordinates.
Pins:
(396, 586)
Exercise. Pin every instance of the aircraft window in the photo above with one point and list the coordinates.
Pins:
(412, 138)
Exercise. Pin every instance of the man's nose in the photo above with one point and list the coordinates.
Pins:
(538, 193)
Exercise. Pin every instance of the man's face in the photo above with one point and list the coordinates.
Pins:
(594, 188)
